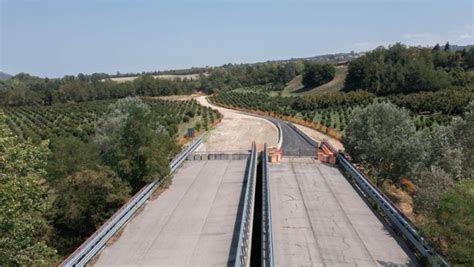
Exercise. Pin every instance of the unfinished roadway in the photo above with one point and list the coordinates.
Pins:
(320, 220)
(194, 222)
(318, 217)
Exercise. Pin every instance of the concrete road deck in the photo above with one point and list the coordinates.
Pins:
(320, 220)
(190, 224)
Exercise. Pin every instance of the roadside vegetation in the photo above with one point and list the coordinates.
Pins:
(66, 168)
(435, 165)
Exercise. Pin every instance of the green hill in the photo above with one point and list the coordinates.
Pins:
(295, 87)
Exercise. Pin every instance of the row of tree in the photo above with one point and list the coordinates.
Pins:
(400, 69)
(439, 162)
(24, 89)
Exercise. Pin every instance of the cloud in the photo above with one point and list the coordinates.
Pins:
(362, 44)
(369, 45)
(411, 36)
(465, 36)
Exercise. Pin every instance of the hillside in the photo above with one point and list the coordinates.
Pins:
(4, 76)
(295, 87)
(161, 76)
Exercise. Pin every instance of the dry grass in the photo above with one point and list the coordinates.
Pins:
(403, 200)
(177, 97)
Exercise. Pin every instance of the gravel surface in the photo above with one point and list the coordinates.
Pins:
(318, 136)
(237, 131)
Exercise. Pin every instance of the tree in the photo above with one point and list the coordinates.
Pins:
(442, 152)
(141, 154)
(431, 183)
(68, 156)
(399, 69)
(110, 124)
(23, 202)
(132, 144)
(463, 131)
(316, 74)
(452, 224)
(18, 93)
(447, 47)
(383, 137)
(87, 199)
(469, 58)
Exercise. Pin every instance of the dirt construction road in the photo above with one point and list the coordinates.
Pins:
(237, 131)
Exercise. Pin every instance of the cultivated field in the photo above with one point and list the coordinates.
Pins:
(163, 76)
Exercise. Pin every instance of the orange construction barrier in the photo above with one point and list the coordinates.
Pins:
(275, 154)
(326, 153)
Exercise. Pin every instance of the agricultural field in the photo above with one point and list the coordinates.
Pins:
(162, 76)
(334, 113)
(78, 119)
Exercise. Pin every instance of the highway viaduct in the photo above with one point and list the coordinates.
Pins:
(317, 217)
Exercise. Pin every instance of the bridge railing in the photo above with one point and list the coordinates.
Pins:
(96, 242)
(394, 216)
(267, 233)
(244, 245)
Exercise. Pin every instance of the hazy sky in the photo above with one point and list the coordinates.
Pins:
(54, 38)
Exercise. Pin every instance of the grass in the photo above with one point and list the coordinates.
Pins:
(183, 127)
(296, 88)
(470, 74)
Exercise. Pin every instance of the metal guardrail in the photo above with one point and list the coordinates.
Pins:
(267, 233)
(219, 155)
(183, 155)
(244, 246)
(96, 242)
(395, 217)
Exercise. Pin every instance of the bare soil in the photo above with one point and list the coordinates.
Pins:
(237, 131)
(318, 136)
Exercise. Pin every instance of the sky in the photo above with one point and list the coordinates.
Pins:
(53, 38)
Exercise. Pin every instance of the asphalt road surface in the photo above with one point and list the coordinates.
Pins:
(294, 143)
(320, 220)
